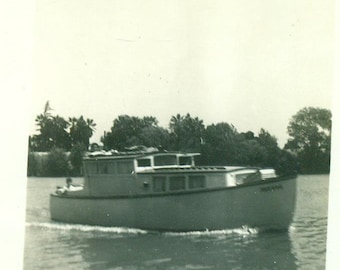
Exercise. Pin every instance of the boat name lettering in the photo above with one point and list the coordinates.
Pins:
(271, 188)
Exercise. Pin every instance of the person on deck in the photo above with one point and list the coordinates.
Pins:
(69, 187)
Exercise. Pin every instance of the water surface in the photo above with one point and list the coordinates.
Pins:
(53, 245)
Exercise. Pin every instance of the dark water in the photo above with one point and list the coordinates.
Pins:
(52, 245)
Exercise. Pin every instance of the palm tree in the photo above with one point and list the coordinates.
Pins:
(91, 126)
(175, 122)
(81, 130)
(187, 132)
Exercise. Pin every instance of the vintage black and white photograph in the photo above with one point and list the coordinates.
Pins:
(179, 135)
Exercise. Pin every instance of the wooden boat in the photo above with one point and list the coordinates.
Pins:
(166, 191)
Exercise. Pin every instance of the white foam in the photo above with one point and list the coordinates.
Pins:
(85, 228)
(244, 230)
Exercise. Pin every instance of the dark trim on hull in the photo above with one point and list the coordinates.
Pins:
(185, 192)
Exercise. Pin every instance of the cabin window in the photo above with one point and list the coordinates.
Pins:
(124, 167)
(103, 168)
(184, 160)
(165, 160)
(176, 182)
(196, 181)
(111, 168)
(144, 162)
(91, 168)
(159, 183)
(240, 178)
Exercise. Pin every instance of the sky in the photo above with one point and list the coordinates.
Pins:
(253, 64)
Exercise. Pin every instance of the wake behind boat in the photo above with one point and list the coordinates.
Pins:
(166, 191)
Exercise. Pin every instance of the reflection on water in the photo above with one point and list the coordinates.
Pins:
(308, 239)
(118, 248)
(52, 245)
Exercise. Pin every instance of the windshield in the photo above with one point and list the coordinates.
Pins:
(165, 160)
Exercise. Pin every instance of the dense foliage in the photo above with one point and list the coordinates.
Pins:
(219, 144)
(54, 163)
(186, 133)
(81, 131)
(310, 132)
(128, 131)
(56, 132)
(76, 158)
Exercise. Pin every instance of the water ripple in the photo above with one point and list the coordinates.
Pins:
(85, 228)
(244, 230)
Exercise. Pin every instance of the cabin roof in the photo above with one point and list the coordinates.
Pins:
(102, 155)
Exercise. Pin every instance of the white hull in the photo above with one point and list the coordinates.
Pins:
(265, 204)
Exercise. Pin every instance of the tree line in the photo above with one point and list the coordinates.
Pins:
(57, 132)
(59, 146)
(306, 151)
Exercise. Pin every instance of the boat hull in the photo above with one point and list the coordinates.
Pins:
(265, 204)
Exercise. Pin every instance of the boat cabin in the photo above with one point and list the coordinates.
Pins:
(156, 174)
